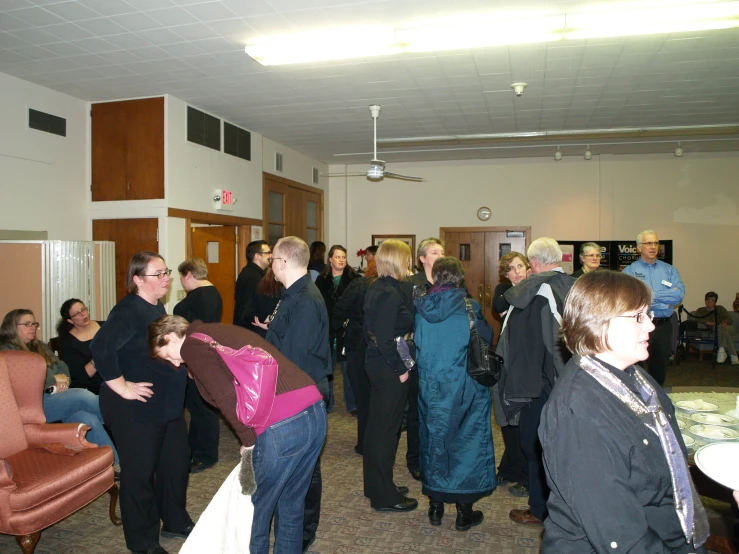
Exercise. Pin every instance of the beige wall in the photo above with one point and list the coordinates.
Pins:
(21, 287)
(692, 200)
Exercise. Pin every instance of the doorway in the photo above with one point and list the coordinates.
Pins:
(480, 249)
(216, 245)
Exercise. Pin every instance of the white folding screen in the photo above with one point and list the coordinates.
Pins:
(76, 269)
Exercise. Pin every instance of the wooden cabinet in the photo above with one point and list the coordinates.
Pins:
(128, 150)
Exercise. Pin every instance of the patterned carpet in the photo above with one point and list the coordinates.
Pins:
(348, 524)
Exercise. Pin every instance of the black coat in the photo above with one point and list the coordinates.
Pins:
(331, 294)
(349, 308)
(246, 290)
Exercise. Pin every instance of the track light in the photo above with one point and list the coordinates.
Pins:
(679, 151)
(588, 155)
(558, 154)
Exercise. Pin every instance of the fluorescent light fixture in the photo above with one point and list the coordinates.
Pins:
(495, 29)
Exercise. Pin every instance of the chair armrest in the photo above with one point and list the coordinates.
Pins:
(71, 435)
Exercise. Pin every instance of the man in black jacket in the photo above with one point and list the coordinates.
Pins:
(257, 255)
(534, 355)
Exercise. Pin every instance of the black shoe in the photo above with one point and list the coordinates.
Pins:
(357, 451)
(181, 535)
(467, 518)
(156, 549)
(353, 412)
(416, 474)
(436, 512)
(197, 467)
(502, 481)
(402, 490)
(519, 489)
(406, 505)
(307, 543)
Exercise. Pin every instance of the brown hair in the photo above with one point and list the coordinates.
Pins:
(137, 268)
(196, 266)
(9, 335)
(163, 326)
(506, 260)
(393, 259)
(268, 285)
(593, 301)
(371, 270)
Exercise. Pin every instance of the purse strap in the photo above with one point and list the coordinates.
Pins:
(212, 342)
(470, 315)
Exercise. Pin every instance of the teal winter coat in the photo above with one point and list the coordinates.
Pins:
(457, 456)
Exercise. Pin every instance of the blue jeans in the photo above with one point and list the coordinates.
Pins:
(79, 406)
(349, 401)
(284, 458)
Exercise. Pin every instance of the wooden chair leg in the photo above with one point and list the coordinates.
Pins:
(28, 542)
(113, 492)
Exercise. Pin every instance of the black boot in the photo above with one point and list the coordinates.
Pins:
(466, 518)
(436, 512)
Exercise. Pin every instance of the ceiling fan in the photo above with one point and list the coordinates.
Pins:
(376, 171)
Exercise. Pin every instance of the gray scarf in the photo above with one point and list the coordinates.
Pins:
(688, 507)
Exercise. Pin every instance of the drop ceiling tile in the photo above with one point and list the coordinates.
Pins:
(135, 21)
(268, 24)
(170, 17)
(107, 8)
(215, 46)
(145, 5)
(10, 40)
(65, 49)
(210, 11)
(128, 41)
(181, 49)
(10, 23)
(152, 53)
(101, 26)
(35, 35)
(34, 16)
(10, 56)
(67, 31)
(159, 37)
(195, 31)
(33, 53)
(9, 5)
(95, 45)
(71, 11)
(252, 7)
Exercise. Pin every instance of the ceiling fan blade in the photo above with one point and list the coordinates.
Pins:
(342, 174)
(404, 177)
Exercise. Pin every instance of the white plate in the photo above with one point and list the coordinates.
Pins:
(714, 419)
(689, 441)
(681, 424)
(719, 461)
(692, 406)
(714, 432)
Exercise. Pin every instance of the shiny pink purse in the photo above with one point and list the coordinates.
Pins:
(255, 380)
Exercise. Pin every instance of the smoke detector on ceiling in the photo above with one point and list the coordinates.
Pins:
(518, 88)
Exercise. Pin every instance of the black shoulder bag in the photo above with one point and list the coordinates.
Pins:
(483, 365)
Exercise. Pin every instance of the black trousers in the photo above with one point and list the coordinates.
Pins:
(312, 513)
(387, 402)
(205, 429)
(513, 464)
(412, 433)
(529, 425)
(155, 462)
(361, 387)
(660, 345)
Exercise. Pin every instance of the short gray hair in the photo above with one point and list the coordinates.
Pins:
(640, 236)
(587, 245)
(546, 250)
(294, 250)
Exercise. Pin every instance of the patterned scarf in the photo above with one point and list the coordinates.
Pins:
(688, 506)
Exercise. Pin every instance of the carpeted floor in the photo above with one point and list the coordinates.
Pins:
(348, 524)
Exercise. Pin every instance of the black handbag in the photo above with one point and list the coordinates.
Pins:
(483, 365)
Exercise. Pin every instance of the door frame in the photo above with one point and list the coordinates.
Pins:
(242, 224)
(497, 229)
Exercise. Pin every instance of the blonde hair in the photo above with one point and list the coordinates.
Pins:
(294, 250)
(423, 246)
(196, 266)
(393, 259)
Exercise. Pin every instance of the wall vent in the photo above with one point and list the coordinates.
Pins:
(278, 162)
(46, 122)
(236, 141)
(315, 176)
(203, 129)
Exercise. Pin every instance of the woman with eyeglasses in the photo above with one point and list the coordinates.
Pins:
(18, 332)
(76, 331)
(142, 403)
(614, 457)
(589, 258)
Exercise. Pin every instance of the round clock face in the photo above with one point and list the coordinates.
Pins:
(484, 213)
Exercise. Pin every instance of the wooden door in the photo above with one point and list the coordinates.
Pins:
(109, 157)
(130, 236)
(480, 252)
(291, 209)
(216, 245)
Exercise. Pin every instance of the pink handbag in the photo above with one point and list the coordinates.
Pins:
(255, 380)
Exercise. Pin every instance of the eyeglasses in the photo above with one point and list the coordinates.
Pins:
(35, 324)
(161, 274)
(591, 256)
(265, 253)
(641, 317)
(82, 311)
(650, 243)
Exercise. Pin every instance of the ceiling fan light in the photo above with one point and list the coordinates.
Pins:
(588, 154)
(558, 154)
(679, 151)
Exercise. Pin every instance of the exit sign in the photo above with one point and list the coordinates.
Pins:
(223, 200)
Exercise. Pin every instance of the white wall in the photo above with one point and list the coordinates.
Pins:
(692, 200)
(193, 171)
(43, 185)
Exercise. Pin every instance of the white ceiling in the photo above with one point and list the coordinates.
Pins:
(112, 49)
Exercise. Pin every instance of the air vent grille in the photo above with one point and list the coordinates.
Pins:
(203, 129)
(46, 122)
(236, 141)
(278, 162)
(315, 176)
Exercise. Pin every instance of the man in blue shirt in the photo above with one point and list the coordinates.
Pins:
(299, 329)
(667, 290)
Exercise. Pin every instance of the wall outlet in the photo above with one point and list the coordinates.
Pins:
(181, 294)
